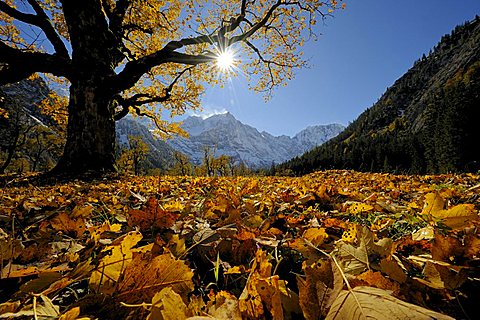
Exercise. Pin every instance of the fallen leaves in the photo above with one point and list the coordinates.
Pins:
(335, 244)
(456, 217)
(373, 303)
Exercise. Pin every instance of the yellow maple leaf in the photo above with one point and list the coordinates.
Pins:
(457, 217)
(433, 202)
(315, 235)
(111, 267)
(167, 305)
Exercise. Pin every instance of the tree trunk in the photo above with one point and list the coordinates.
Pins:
(10, 152)
(90, 145)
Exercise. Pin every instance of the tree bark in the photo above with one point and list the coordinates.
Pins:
(90, 145)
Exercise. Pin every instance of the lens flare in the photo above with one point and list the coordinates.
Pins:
(225, 60)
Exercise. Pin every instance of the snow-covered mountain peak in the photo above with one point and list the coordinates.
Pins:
(231, 137)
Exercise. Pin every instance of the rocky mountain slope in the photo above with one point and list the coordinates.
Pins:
(29, 140)
(160, 154)
(226, 135)
(426, 122)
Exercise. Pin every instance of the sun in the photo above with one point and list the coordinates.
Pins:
(225, 60)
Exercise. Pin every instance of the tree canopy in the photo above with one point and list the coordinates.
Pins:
(145, 57)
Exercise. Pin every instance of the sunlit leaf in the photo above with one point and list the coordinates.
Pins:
(372, 303)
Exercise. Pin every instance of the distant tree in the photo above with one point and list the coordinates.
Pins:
(208, 160)
(42, 143)
(15, 135)
(132, 158)
(182, 165)
(232, 163)
(221, 165)
(121, 56)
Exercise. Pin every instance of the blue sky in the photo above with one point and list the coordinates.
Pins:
(360, 52)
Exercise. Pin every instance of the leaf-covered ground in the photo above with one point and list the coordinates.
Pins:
(334, 244)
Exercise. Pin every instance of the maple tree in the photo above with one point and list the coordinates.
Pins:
(142, 57)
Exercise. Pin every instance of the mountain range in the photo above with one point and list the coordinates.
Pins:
(426, 122)
(225, 135)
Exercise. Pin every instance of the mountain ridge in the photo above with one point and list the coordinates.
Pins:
(256, 149)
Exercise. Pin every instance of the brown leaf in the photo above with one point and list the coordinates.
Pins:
(64, 223)
(373, 303)
(307, 251)
(152, 216)
(41, 283)
(319, 289)
(225, 306)
(9, 307)
(83, 211)
(457, 217)
(9, 248)
(391, 268)
(146, 275)
(167, 305)
(376, 279)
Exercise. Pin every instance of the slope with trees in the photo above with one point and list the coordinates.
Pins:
(426, 122)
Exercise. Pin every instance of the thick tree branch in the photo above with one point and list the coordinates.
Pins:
(135, 69)
(140, 98)
(21, 16)
(257, 26)
(16, 64)
(118, 15)
(47, 27)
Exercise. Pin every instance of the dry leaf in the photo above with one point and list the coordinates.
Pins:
(319, 289)
(9, 248)
(315, 235)
(146, 275)
(426, 233)
(152, 216)
(43, 281)
(82, 211)
(391, 268)
(359, 207)
(71, 314)
(225, 306)
(167, 305)
(64, 223)
(457, 217)
(373, 303)
(376, 279)
(111, 267)
(41, 309)
(9, 307)
(434, 202)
